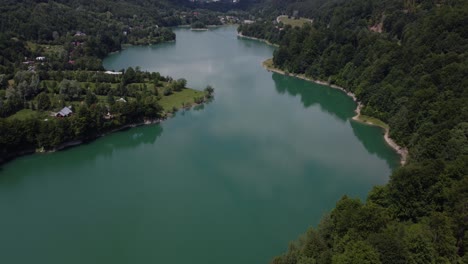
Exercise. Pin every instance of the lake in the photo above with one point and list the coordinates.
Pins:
(232, 181)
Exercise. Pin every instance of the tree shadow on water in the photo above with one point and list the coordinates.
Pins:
(80, 156)
(374, 143)
(330, 100)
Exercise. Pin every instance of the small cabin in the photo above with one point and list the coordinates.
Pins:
(113, 73)
(80, 34)
(66, 111)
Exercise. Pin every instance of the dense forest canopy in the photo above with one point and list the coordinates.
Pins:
(407, 62)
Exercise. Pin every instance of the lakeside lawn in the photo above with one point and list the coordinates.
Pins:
(47, 50)
(24, 114)
(178, 99)
(294, 22)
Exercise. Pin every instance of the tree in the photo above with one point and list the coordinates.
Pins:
(390, 247)
(198, 25)
(90, 98)
(71, 90)
(358, 252)
(110, 98)
(168, 91)
(151, 108)
(3, 81)
(418, 241)
(180, 84)
(129, 76)
(43, 101)
(209, 90)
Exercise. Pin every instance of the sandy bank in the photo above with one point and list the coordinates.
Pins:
(403, 152)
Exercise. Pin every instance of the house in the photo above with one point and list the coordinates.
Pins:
(66, 111)
(108, 116)
(80, 34)
(112, 72)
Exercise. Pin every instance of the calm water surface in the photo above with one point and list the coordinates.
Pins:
(230, 182)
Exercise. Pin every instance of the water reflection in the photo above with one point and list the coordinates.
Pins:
(329, 100)
(333, 102)
(83, 155)
(374, 143)
(140, 136)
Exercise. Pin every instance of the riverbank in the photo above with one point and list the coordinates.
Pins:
(171, 107)
(76, 142)
(403, 152)
(261, 40)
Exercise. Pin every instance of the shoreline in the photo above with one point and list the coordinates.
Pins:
(401, 151)
(78, 142)
(239, 34)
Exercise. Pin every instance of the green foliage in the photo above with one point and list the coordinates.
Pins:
(198, 25)
(129, 76)
(178, 85)
(43, 101)
(209, 90)
(358, 252)
(168, 91)
(110, 99)
(90, 98)
(417, 240)
(70, 90)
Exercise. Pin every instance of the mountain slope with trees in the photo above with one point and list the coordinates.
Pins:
(407, 62)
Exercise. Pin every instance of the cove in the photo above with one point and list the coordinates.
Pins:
(232, 181)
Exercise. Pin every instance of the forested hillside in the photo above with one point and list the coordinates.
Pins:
(407, 62)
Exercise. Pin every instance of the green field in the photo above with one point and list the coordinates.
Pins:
(177, 99)
(294, 22)
(46, 50)
(27, 113)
